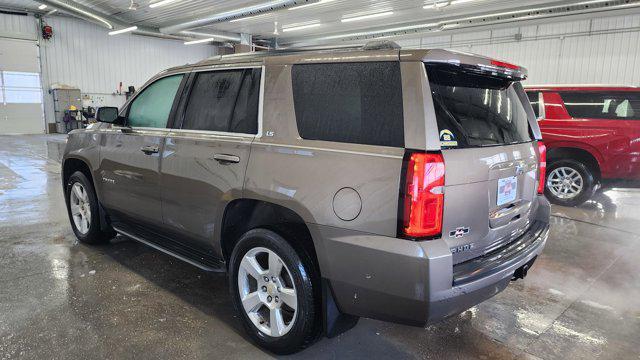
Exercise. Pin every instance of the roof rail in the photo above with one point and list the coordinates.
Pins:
(371, 45)
(381, 45)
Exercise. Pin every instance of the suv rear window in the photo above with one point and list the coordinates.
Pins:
(349, 102)
(602, 105)
(475, 109)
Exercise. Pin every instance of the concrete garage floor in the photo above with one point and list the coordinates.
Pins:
(60, 299)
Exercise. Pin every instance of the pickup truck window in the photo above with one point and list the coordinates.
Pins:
(225, 100)
(357, 103)
(622, 105)
(534, 99)
(152, 106)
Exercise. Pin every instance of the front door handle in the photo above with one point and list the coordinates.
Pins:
(226, 158)
(149, 149)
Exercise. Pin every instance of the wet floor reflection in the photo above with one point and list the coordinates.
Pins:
(61, 299)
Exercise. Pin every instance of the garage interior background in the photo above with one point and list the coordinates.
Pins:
(600, 47)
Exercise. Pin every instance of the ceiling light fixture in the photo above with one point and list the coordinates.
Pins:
(365, 17)
(199, 41)
(161, 3)
(42, 7)
(121, 31)
(441, 4)
(301, 27)
(312, 4)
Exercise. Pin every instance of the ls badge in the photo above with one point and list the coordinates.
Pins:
(459, 232)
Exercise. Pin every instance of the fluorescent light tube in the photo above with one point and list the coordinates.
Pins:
(161, 3)
(364, 17)
(42, 7)
(116, 32)
(301, 27)
(199, 41)
(312, 4)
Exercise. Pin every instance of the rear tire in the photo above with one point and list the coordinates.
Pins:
(569, 183)
(84, 211)
(251, 264)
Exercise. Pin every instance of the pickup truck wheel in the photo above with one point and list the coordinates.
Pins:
(569, 183)
(82, 207)
(272, 289)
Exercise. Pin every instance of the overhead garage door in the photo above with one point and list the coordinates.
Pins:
(20, 89)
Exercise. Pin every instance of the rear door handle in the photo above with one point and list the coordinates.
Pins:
(226, 158)
(149, 149)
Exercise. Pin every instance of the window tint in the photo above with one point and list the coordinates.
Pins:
(602, 105)
(474, 109)
(534, 99)
(224, 101)
(349, 102)
(152, 107)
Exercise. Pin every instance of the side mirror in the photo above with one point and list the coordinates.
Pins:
(107, 114)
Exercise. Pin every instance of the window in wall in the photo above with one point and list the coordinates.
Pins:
(225, 100)
(622, 105)
(151, 108)
(20, 88)
(349, 102)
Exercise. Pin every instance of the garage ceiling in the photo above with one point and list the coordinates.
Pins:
(317, 19)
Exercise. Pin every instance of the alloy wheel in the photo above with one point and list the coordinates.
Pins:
(565, 182)
(80, 208)
(267, 292)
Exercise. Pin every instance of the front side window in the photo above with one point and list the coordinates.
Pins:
(349, 102)
(152, 106)
(621, 105)
(225, 100)
(476, 109)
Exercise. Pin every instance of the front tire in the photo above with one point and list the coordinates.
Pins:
(272, 289)
(569, 183)
(84, 211)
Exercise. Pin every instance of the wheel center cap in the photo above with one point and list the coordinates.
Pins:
(271, 289)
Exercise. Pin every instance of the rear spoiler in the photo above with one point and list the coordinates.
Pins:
(484, 64)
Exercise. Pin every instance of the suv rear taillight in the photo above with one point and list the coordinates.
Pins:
(423, 195)
(542, 166)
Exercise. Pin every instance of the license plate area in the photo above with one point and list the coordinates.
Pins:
(507, 190)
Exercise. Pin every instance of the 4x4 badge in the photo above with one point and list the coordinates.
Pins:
(459, 232)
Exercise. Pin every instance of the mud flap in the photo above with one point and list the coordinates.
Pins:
(334, 322)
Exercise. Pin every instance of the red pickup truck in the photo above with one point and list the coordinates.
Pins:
(592, 134)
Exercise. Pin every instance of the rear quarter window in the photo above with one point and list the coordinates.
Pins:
(357, 103)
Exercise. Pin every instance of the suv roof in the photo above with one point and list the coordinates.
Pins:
(372, 51)
(582, 87)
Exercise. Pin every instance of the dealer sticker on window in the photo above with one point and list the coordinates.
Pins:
(507, 189)
(447, 138)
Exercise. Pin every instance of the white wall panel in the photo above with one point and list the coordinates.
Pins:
(83, 55)
(596, 50)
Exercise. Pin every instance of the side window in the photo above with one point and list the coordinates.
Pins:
(349, 102)
(225, 100)
(152, 107)
(602, 105)
(534, 99)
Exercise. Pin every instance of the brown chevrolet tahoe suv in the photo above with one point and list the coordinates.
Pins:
(402, 185)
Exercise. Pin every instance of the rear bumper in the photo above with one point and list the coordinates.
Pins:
(416, 283)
